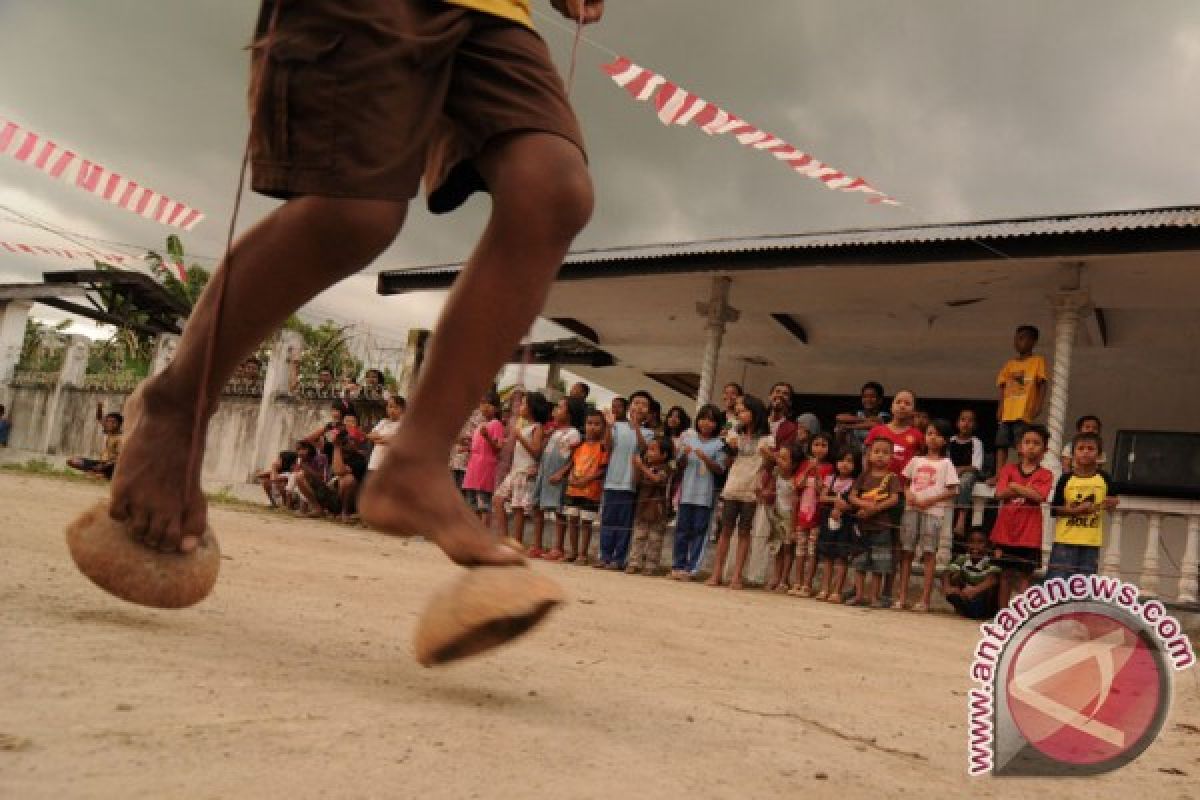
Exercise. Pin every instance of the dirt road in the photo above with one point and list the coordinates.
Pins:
(295, 680)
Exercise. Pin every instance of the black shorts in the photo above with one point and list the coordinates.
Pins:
(1025, 560)
(739, 513)
(1008, 434)
(98, 467)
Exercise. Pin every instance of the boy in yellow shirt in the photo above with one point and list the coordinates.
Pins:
(1022, 385)
(1080, 500)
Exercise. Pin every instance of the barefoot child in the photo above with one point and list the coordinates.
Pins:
(1081, 498)
(653, 470)
(585, 486)
(1021, 487)
(809, 480)
(777, 496)
(836, 537)
(515, 493)
(345, 121)
(965, 451)
(907, 441)
(103, 467)
(876, 495)
(752, 445)
(480, 479)
(1022, 386)
(932, 482)
(568, 418)
(701, 458)
(971, 580)
(384, 430)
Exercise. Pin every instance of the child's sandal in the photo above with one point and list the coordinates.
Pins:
(834, 598)
(920, 608)
(804, 592)
(822, 596)
(898, 605)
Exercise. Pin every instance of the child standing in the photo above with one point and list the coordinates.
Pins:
(971, 580)
(1022, 488)
(585, 485)
(653, 470)
(627, 438)
(966, 454)
(836, 538)
(479, 481)
(1022, 383)
(809, 482)
(701, 458)
(877, 496)
(384, 430)
(568, 418)
(1088, 423)
(752, 445)
(907, 441)
(777, 495)
(1080, 500)
(932, 481)
(515, 493)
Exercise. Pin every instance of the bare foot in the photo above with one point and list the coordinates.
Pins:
(147, 487)
(414, 495)
(713, 581)
(736, 585)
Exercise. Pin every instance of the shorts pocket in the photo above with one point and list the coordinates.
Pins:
(293, 99)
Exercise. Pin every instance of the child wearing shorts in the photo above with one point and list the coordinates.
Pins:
(352, 101)
(835, 541)
(585, 487)
(932, 483)
(1022, 487)
(877, 496)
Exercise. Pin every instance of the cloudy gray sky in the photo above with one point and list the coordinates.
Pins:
(963, 109)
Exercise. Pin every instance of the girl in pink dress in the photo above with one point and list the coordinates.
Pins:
(480, 479)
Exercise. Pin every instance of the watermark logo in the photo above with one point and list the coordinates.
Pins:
(1074, 678)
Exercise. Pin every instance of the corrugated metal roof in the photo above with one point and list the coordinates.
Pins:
(982, 231)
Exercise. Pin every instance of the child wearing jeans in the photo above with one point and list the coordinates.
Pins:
(965, 451)
(836, 538)
(654, 471)
(585, 485)
(752, 445)
(1080, 500)
(932, 482)
(777, 494)
(701, 458)
(877, 496)
(809, 482)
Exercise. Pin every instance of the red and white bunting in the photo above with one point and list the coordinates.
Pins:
(678, 106)
(31, 148)
(118, 259)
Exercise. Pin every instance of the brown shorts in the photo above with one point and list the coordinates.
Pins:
(363, 97)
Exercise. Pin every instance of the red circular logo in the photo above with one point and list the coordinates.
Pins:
(1084, 688)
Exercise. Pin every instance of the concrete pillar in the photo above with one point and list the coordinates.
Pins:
(285, 353)
(13, 314)
(1112, 554)
(74, 366)
(553, 376)
(1068, 306)
(165, 345)
(717, 314)
(414, 356)
(1189, 574)
(1149, 582)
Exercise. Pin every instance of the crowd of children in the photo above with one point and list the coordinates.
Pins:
(848, 512)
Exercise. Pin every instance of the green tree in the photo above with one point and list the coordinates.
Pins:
(325, 345)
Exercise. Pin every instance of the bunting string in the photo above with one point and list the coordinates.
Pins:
(60, 163)
(678, 106)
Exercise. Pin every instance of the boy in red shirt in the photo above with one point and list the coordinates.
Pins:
(1023, 488)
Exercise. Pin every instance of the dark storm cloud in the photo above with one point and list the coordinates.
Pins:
(962, 108)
